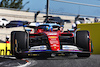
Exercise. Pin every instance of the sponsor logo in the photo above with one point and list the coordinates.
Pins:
(54, 42)
(54, 45)
(38, 48)
(69, 47)
(52, 34)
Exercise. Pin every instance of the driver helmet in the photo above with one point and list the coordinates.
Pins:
(47, 28)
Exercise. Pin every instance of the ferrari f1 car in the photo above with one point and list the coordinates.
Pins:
(49, 39)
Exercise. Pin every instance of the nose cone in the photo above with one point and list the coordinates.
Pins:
(54, 43)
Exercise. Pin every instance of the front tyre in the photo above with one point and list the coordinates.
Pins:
(83, 41)
(18, 56)
(18, 43)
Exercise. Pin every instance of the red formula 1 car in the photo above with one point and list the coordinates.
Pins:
(49, 39)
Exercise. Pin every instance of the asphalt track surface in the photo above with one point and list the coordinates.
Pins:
(68, 61)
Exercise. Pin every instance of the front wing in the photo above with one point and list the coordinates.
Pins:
(42, 50)
(60, 51)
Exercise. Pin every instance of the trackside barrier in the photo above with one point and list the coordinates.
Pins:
(94, 29)
(5, 49)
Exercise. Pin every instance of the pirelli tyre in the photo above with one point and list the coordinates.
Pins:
(83, 41)
(18, 43)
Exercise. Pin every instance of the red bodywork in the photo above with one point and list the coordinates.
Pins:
(53, 37)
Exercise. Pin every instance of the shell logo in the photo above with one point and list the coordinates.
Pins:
(53, 37)
(54, 47)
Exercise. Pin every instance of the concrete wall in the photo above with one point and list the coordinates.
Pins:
(16, 15)
(28, 16)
